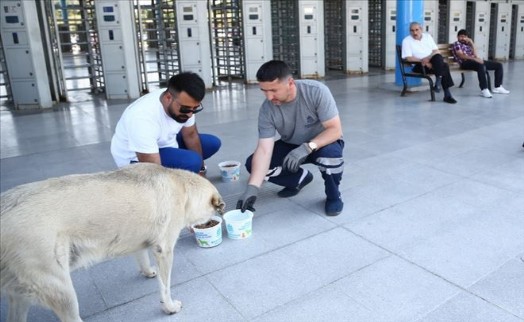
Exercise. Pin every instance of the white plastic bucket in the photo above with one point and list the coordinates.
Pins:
(209, 237)
(238, 224)
(229, 170)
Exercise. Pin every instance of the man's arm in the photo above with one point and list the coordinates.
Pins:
(148, 157)
(260, 161)
(332, 132)
(192, 139)
(425, 60)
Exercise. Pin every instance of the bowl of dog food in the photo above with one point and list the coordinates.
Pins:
(229, 170)
(239, 225)
(208, 234)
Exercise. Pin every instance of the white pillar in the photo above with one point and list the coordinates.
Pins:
(390, 35)
(357, 36)
(311, 31)
(480, 32)
(119, 48)
(194, 40)
(257, 35)
(457, 19)
(24, 54)
(503, 27)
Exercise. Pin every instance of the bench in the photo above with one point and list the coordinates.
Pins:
(447, 54)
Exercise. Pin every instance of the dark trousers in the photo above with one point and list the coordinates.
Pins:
(328, 159)
(439, 68)
(481, 71)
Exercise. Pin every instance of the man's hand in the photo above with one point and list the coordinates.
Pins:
(296, 157)
(248, 199)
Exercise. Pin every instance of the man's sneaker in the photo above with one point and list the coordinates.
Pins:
(290, 192)
(485, 93)
(334, 207)
(500, 90)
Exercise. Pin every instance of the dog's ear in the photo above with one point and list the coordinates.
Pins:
(218, 204)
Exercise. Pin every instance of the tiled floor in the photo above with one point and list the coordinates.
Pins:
(432, 230)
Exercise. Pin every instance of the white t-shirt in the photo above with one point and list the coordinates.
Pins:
(145, 127)
(418, 48)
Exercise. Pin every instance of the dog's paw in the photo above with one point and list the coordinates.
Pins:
(149, 273)
(172, 308)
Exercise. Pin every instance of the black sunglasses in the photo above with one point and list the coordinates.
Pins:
(184, 109)
(188, 109)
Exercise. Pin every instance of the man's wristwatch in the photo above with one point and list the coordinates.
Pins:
(312, 146)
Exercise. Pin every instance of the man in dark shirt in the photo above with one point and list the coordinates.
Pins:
(466, 55)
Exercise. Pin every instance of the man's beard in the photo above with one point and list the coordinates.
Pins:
(179, 118)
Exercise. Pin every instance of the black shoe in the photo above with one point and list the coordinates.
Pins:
(290, 192)
(450, 100)
(334, 207)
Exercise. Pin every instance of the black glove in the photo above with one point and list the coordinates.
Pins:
(296, 157)
(248, 198)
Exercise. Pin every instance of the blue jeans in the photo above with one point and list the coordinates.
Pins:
(182, 158)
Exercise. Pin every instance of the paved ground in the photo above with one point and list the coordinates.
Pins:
(432, 230)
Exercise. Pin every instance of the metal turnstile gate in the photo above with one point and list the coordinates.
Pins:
(227, 39)
(334, 33)
(376, 30)
(5, 89)
(285, 31)
(492, 31)
(514, 26)
(77, 44)
(157, 42)
(443, 21)
(470, 17)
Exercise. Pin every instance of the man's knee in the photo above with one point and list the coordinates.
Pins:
(248, 163)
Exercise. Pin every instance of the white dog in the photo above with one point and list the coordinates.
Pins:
(52, 227)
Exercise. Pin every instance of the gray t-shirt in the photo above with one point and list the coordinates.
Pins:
(301, 120)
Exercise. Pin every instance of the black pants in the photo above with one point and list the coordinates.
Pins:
(481, 71)
(328, 159)
(439, 68)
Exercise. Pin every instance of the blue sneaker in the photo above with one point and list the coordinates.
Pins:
(334, 207)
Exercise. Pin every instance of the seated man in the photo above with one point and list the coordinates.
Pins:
(160, 128)
(420, 47)
(465, 54)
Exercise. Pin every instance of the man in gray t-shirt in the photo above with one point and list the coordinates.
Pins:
(305, 116)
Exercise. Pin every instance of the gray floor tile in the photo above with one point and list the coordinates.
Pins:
(396, 290)
(504, 287)
(468, 308)
(283, 275)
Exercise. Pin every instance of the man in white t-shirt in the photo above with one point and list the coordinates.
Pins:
(419, 47)
(160, 128)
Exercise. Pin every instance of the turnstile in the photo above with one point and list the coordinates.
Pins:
(376, 39)
(227, 39)
(285, 33)
(5, 89)
(76, 42)
(157, 42)
(334, 31)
